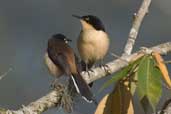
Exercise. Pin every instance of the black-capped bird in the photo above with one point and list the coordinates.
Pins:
(60, 60)
(93, 41)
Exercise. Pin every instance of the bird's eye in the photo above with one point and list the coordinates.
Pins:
(65, 40)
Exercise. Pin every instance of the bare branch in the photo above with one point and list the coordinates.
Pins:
(138, 18)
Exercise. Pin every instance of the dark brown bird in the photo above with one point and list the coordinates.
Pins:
(60, 60)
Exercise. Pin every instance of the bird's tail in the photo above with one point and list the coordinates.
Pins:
(82, 88)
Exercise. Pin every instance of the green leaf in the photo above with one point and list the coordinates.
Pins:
(133, 84)
(149, 82)
(121, 74)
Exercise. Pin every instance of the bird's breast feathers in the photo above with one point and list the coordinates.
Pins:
(93, 44)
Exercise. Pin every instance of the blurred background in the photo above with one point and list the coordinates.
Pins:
(26, 25)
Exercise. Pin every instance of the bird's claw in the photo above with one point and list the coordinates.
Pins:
(89, 72)
(106, 68)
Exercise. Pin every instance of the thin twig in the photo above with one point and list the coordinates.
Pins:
(138, 18)
(167, 62)
(118, 57)
(3, 75)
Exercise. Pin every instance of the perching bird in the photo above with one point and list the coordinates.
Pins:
(60, 60)
(93, 41)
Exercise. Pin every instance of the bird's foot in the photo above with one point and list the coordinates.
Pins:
(88, 71)
(106, 68)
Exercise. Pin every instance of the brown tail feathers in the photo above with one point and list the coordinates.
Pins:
(82, 88)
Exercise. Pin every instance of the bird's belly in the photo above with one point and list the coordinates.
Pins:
(93, 46)
(53, 69)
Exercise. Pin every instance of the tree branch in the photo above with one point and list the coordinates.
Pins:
(138, 18)
(53, 98)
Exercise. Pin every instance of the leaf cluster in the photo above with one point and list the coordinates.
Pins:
(142, 76)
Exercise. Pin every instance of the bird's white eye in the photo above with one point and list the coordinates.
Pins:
(66, 41)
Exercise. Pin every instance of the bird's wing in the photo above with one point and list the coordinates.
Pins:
(60, 60)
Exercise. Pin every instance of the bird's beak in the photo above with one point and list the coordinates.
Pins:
(76, 16)
(69, 40)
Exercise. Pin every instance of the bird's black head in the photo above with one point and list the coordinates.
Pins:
(61, 37)
(92, 20)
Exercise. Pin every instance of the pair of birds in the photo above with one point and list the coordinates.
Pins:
(93, 44)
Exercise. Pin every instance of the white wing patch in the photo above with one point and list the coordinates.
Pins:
(75, 84)
(78, 91)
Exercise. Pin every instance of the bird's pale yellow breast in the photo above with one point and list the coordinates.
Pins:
(93, 44)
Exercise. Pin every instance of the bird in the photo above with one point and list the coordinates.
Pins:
(93, 41)
(60, 60)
